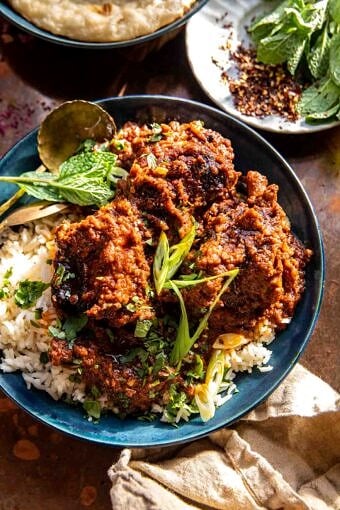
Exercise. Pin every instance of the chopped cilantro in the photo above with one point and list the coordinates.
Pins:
(93, 409)
(159, 363)
(69, 330)
(56, 332)
(197, 371)
(61, 275)
(86, 146)
(28, 292)
(134, 353)
(73, 325)
(6, 284)
(156, 132)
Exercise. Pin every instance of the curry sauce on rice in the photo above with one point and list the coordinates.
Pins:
(101, 20)
(177, 283)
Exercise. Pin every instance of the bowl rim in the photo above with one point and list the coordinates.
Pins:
(206, 428)
(24, 24)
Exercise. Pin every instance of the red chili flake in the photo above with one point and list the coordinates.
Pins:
(262, 89)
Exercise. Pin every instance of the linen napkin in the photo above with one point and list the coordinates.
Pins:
(283, 455)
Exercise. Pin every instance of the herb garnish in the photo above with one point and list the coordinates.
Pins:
(168, 259)
(93, 408)
(156, 132)
(83, 179)
(6, 284)
(184, 341)
(69, 329)
(306, 36)
(29, 292)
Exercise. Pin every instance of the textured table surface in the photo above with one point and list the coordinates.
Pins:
(35, 76)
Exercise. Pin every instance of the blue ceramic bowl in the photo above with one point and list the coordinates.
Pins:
(252, 152)
(14, 17)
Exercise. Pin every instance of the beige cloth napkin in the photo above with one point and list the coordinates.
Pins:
(283, 455)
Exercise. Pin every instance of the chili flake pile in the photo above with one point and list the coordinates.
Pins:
(261, 89)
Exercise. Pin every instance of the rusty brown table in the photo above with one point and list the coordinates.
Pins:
(65, 473)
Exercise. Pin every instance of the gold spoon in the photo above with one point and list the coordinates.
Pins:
(67, 126)
(59, 136)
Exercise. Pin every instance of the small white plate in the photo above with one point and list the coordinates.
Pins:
(207, 33)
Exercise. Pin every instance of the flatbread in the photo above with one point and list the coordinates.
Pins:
(100, 20)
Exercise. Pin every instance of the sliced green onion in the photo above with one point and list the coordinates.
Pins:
(161, 262)
(184, 342)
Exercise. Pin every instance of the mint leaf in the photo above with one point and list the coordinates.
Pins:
(323, 115)
(319, 98)
(318, 57)
(334, 59)
(84, 179)
(334, 10)
(29, 292)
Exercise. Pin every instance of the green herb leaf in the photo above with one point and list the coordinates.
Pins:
(56, 332)
(69, 329)
(157, 132)
(73, 325)
(184, 342)
(6, 284)
(86, 146)
(318, 57)
(334, 59)
(331, 112)
(197, 372)
(334, 10)
(319, 98)
(186, 281)
(84, 179)
(283, 35)
(29, 292)
(93, 408)
(159, 363)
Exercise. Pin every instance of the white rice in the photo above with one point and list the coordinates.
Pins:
(27, 251)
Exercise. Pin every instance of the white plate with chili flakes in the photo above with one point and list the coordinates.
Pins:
(223, 61)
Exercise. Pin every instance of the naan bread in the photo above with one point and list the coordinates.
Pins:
(100, 20)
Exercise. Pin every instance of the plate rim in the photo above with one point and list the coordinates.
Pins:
(143, 99)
